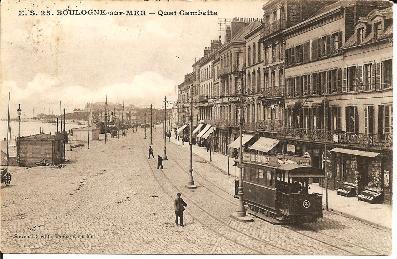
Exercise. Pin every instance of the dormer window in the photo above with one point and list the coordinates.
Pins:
(377, 29)
(360, 35)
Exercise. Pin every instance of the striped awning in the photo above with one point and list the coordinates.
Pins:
(236, 142)
(264, 144)
(354, 152)
(207, 127)
(197, 129)
(208, 133)
(180, 130)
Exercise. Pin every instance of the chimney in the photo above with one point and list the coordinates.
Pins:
(207, 51)
(228, 35)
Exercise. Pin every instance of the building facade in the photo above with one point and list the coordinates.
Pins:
(315, 75)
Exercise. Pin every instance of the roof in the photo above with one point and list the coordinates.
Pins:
(239, 36)
(295, 170)
(42, 137)
(354, 152)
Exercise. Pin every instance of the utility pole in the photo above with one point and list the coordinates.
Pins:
(122, 121)
(64, 134)
(151, 124)
(106, 119)
(165, 128)
(191, 184)
(145, 125)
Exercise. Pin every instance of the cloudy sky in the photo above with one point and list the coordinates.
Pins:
(80, 59)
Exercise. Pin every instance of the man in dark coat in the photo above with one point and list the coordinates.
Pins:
(179, 205)
(151, 152)
(159, 162)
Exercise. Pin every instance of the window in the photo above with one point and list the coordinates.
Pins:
(385, 121)
(387, 74)
(351, 78)
(306, 52)
(274, 53)
(352, 119)
(360, 35)
(367, 77)
(369, 120)
(253, 53)
(249, 56)
(336, 118)
(299, 54)
(377, 29)
(259, 52)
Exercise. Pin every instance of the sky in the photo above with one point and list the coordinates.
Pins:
(80, 59)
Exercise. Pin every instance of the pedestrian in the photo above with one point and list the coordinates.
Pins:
(179, 205)
(150, 152)
(159, 162)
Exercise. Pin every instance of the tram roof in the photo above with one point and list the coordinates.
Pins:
(295, 170)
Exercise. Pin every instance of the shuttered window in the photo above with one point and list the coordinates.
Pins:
(306, 52)
(315, 49)
(387, 74)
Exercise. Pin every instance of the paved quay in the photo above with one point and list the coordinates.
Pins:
(111, 199)
(377, 214)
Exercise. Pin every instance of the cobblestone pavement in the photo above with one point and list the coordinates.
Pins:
(112, 199)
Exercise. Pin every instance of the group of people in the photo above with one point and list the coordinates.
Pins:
(159, 158)
(179, 203)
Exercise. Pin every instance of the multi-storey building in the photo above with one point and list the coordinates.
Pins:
(253, 78)
(185, 91)
(316, 76)
(326, 110)
(231, 80)
(278, 16)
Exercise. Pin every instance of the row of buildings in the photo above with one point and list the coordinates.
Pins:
(314, 75)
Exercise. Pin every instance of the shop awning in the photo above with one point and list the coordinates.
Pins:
(197, 129)
(354, 152)
(264, 144)
(180, 130)
(207, 127)
(236, 142)
(209, 132)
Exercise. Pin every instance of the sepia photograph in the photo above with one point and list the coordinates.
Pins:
(230, 127)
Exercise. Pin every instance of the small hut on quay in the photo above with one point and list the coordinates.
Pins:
(41, 148)
(82, 134)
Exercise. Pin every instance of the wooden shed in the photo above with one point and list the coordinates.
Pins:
(82, 134)
(41, 148)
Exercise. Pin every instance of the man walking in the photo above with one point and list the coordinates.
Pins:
(159, 162)
(150, 152)
(179, 205)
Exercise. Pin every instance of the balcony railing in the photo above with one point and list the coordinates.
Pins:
(203, 98)
(270, 125)
(348, 138)
(272, 92)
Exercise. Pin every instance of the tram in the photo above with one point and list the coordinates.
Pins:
(280, 192)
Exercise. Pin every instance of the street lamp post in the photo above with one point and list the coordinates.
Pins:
(165, 128)
(19, 111)
(151, 124)
(241, 213)
(144, 126)
(191, 184)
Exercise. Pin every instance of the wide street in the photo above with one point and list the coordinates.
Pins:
(111, 199)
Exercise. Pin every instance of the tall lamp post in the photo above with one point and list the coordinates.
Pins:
(165, 128)
(241, 213)
(144, 125)
(19, 111)
(191, 184)
(151, 124)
